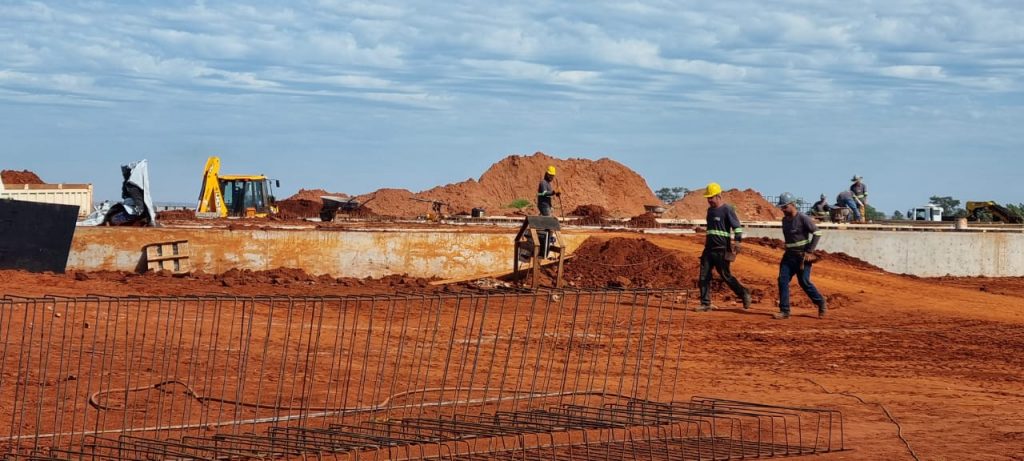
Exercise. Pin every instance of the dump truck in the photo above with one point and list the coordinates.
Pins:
(234, 195)
(79, 195)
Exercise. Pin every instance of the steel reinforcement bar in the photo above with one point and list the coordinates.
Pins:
(550, 375)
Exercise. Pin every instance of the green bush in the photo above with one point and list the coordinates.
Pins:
(519, 203)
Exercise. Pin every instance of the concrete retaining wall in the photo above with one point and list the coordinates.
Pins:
(338, 253)
(925, 254)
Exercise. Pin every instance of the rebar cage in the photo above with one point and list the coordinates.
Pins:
(524, 375)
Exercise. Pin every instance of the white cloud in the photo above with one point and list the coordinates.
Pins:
(914, 72)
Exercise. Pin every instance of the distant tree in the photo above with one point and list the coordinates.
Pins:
(950, 206)
(1017, 209)
(898, 216)
(873, 214)
(671, 194)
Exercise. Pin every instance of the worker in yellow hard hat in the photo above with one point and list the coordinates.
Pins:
(719, 249)
(545, 191)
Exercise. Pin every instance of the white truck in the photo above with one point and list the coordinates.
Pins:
(929, 212)
(64, 194)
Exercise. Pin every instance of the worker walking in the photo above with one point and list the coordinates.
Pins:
(719, 249)
(545, 191)
(848, 200)
(860, 191)
(801, 236)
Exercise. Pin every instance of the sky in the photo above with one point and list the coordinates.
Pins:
(921, 97)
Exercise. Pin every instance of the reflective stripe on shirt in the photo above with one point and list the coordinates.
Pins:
(802, 242)
(718, 233)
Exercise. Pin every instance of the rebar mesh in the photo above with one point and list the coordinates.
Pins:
(553, 375)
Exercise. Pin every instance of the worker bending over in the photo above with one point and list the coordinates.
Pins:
(860, 191)
(801, 236)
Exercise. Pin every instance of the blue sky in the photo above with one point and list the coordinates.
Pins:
(920, 97)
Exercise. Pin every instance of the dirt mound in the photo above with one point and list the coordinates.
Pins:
(626, 263)
(313, 195)
(749, 204)
(298, 208)
(393, 202)
(176, 215)
(644, 221)
(590, 215)
(20, 177)
(605, 183)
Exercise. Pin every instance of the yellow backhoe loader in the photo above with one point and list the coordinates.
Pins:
(991, 211)
(236, 195)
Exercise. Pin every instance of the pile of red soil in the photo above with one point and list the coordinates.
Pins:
(176, 215)
(644, 221)
(312, 195)
(393, 202)
(20, 177)
(590, 215)
(605, 183)
(749, 205)
(298, 208)
(626, 263)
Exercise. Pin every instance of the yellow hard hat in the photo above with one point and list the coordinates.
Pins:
(551, 170)
(713, 189)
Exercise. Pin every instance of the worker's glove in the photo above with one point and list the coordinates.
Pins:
(557, 193)
(810, 257)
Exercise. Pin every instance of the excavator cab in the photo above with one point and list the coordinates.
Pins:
(237, 196)
(247, 196)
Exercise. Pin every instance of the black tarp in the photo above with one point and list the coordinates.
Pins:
(36, 236)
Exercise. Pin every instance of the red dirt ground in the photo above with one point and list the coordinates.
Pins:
(750, 206)
(176, 215)
(20, 177)
(941, 356)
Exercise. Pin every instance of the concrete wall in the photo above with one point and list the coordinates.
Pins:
(444, 254)
(925, 254)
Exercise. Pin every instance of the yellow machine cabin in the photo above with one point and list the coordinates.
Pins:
(242, 196)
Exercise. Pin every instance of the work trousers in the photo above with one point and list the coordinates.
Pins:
(793, 264)
(852, 205)
(715, 259)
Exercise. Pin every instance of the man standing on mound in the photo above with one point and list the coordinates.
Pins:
(719, 250)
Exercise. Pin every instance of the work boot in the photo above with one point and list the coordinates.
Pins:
(705, 308)
(822, 309)
(781, 316)
(746, 300)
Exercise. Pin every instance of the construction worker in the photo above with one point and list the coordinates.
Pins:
(801, 236)
(545, 192)
(860, 190)
(821, 208)
(848, 200)
(719, 250)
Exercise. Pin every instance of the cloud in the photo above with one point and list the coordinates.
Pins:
(914, 72)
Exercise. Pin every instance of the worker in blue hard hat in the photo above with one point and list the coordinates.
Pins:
(724, 234)
(801, 236)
